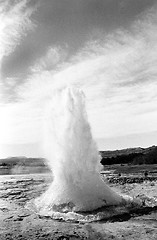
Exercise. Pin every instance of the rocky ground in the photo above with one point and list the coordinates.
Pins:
(17, 222)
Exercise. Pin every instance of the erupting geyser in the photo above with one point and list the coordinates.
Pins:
(73, 157)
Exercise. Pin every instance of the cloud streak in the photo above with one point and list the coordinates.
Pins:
(117, 73)
(15, 19)
(15, 22)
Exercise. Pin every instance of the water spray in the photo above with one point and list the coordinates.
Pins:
(73, 157)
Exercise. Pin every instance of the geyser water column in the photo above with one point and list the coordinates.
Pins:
(73, 158)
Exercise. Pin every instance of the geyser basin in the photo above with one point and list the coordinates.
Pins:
(73, 158)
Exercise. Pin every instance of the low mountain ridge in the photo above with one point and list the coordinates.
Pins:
(130, 156)
(24, 165)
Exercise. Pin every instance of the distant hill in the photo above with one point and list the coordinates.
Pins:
(24, 165)
(130, 156)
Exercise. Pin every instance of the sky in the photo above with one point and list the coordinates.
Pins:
(108, 48)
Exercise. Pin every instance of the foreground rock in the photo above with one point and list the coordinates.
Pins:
(17, 222)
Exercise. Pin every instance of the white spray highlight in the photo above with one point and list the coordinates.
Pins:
(73, 158)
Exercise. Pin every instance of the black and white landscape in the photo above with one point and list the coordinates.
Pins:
(29, 182)
(78, 132)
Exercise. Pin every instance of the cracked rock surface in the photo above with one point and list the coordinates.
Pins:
(17, 222)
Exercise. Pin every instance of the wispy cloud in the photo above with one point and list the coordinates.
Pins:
(15, 22)
(118, 74)
(53, 57)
